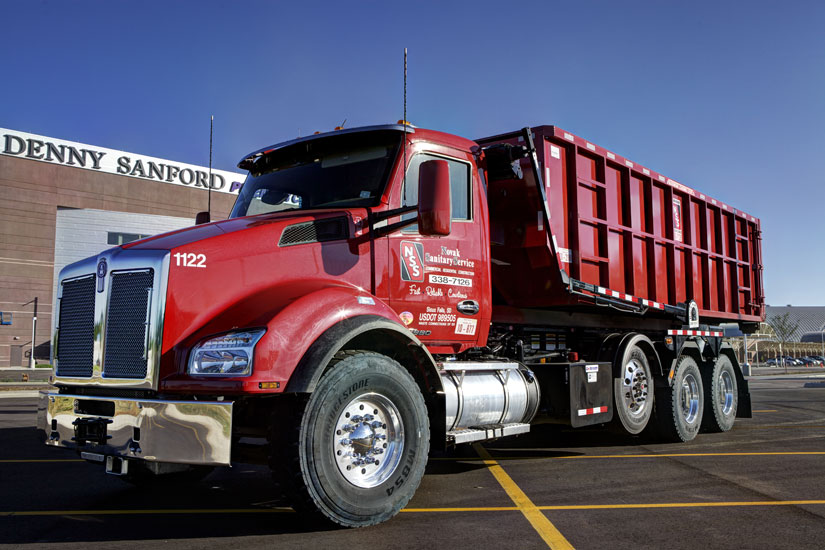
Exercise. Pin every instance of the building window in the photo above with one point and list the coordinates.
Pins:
(124, 238)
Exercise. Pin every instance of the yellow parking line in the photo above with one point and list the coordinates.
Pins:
(662, 455)
(469, 509)
(783, 427)
(538, 520)
(766, 411)
(684, 505)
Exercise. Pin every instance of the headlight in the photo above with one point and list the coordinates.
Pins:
(226, 355)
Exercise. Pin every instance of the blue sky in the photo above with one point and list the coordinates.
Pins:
(726, 97)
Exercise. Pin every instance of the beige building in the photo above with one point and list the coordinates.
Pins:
(62, 201)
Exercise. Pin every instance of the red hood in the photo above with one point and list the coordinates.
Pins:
(188, 235)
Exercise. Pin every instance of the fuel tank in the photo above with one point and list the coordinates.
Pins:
(485, 394)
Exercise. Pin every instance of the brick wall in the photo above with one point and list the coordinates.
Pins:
(30, 194)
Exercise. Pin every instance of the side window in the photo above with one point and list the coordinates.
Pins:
(459, 186)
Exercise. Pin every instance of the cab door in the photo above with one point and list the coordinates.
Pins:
(438, 284)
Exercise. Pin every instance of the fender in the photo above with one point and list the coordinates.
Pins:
(647, 347)
(304, 336)
(370, 332)
(293, 331)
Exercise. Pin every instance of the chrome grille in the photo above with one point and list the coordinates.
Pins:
(75, 340)
(127, 326)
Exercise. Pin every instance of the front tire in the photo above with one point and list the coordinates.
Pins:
(361, 443)
(679, 408)
(721, 396)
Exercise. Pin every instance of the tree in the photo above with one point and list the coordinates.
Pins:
(784, 328)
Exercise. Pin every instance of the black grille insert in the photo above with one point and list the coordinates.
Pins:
(315, 232)
(75, 340)
(126, 324)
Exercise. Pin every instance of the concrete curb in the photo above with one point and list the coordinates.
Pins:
(19, 394)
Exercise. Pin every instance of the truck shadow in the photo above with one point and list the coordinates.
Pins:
(62, 499)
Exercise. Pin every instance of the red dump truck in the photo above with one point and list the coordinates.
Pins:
(382, 291)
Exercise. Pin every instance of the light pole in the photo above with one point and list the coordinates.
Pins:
(34, 332)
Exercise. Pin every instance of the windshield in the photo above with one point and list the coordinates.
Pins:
(333, 172)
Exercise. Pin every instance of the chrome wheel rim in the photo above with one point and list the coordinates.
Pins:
(368, 440)
(635, 388)
(690, 398)
(726, 392)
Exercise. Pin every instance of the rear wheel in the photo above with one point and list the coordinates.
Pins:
(721, 396)
(632, 391)
(358, 447)
(679, 408)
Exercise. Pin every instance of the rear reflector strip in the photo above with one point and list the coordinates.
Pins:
(628, 298)
(597, 410)
(695, 333)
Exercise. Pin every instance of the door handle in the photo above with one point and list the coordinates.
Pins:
(468, 307)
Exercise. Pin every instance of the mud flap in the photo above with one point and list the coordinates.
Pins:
(591, 394)
(743, 408)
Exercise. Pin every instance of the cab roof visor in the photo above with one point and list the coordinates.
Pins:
(249, 160)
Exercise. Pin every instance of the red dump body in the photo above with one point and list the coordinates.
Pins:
(626, 232)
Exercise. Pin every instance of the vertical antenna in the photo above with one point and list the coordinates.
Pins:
(404, 121)
(209, 192)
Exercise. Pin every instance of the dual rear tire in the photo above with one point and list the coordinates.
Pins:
(680, 406)
(721, 396)
(698, 400)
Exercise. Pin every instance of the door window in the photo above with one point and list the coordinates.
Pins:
(459, 187)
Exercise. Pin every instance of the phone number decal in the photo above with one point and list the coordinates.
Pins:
(451, 281)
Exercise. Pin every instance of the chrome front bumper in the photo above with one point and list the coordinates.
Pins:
(182, 432)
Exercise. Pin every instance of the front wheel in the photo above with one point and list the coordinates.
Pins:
(361, 442)
(679, 408)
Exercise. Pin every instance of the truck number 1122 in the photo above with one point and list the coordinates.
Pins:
(189, 259)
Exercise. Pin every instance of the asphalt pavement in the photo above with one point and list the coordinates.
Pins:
(761, 485)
